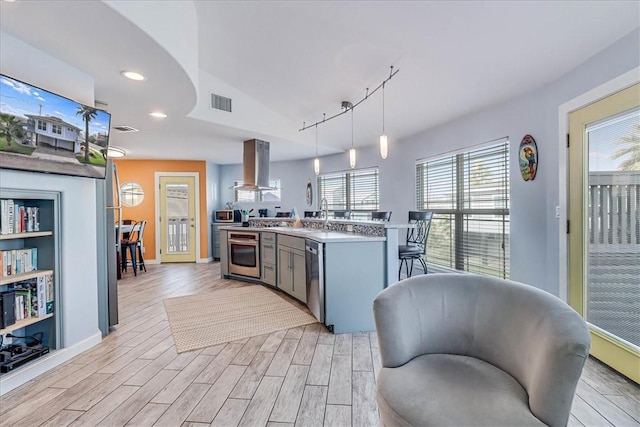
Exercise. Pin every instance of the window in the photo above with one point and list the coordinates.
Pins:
(469, 195)
(42, 125)
(55, 128)
(273, 194)
(356, 191)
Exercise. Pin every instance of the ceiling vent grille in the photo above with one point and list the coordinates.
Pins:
(220, 102)
(125, 128)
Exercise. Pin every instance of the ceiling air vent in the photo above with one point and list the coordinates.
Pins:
(220, 102)
(125, 128)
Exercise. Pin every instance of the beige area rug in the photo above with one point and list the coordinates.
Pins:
(199, 321)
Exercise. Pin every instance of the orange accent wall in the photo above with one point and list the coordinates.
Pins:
(143, 172)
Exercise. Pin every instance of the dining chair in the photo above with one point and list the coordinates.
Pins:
(416, 246)
(381, 216)
(342, 214)
(134, 244)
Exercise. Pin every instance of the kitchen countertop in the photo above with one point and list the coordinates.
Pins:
(320, 236)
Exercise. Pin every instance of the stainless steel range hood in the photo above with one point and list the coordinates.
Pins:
(255, 165)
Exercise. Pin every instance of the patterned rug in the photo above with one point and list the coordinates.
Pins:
(199, 321)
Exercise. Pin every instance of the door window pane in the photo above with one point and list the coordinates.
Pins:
(177, 218)
(613, 225)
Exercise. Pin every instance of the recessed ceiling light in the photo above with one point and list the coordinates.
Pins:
(158, 114)
(113, 152)
(133, 75)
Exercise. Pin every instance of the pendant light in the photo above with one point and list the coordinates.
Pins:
(383, 138)
(316, 161)
(352, 152)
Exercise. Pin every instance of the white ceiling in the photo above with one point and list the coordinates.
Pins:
(284, 63)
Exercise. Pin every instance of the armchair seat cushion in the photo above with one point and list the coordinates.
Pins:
(452, 390)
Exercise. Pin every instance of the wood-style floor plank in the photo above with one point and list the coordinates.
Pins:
(249, 382)
(257, 413)
(302, 376)
(231, 413)
(183, 380)
(288, 401)
(320, 365)
(108, 405)
(364, 409)
(182, 407)
(312, 406)
(215, 397)
(148, 415)
(337, 416)
(340, 380)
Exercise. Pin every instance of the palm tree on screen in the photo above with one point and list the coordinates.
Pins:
(88, 114)
(631, 147)
(10, 128)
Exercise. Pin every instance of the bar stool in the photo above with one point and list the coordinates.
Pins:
(134, 244)
(416, 247)
(381, 216)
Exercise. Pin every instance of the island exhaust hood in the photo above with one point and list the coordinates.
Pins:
(255, 165)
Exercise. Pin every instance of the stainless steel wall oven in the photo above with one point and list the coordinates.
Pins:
(244, 253)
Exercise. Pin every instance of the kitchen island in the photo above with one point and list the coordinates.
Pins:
(353, 268)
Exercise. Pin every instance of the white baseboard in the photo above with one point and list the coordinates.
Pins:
(39, 366)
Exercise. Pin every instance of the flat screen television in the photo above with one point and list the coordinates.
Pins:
(44, 132)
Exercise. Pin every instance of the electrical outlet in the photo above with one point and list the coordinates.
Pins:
(349, 228)
(557, 212)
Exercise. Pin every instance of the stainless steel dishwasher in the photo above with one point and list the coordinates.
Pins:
(314, 260)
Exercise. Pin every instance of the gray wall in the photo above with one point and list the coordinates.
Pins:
(534, 228)
(293, 177)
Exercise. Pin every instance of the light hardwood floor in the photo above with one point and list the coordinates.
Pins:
(303, 376)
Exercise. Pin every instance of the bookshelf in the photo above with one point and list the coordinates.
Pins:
(29, 275)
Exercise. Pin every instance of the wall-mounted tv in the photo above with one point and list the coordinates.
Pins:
(44, 132)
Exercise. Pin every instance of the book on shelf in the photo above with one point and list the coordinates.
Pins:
(18, 218)
(34, 297)
(49, 293)
(19, 261)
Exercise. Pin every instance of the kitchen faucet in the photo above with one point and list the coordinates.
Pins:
(324, 208)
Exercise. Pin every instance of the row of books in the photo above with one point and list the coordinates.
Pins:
(34, 297)
(18, 218)
(18, 261)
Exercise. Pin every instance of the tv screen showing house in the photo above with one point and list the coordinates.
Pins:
(44, 132)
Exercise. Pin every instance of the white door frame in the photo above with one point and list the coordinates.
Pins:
(195, 175)
(612, 86)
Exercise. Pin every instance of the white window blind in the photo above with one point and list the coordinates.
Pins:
(356, 191)
(469, 195)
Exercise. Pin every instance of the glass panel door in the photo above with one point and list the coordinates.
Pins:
(604, 213)
(177, 219)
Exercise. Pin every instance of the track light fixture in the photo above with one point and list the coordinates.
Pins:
(348, 106)
(352, 152)
(384, 149)
(316, 161)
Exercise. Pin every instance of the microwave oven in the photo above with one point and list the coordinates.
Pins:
(227, 215)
